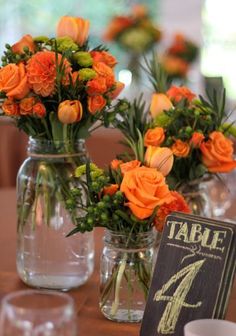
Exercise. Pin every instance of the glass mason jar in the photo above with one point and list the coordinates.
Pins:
(125, 275)
(46, 258)
(197, 196)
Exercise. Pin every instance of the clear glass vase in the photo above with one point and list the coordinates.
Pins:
(197, 196)
(46, 258)
(125, 275)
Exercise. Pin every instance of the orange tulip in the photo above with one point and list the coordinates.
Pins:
(161, 158)
(70, 111)
(75, 27)
(96, 104)
(159, 103)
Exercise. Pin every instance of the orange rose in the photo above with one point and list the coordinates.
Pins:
(119, 86)
(178, 204)
(111, 189)
(145, 189)
(217, 153)
(127, 166)
(176, 93)
(175, 66)
(160, 158)
(115, 164)
(154, 136)
(96, 86)
(96, 104)
(26, 106)
(75, 27)
(39, 110)
(10, 108)
(180, 148)
(25, 41)
(41, 71)
(197, 139)
(70, 111)
(13, 81)
(105, 57)
(105, 71)
(159, 103)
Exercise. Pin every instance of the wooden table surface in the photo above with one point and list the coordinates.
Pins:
(91, 322)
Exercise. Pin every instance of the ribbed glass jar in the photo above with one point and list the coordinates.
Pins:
(125, 275)
(46, 258)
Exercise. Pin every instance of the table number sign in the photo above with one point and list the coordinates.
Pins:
(193, 275)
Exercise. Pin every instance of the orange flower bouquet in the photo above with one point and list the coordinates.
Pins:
(135, 33)
(178, 57)
(56, 89)
(188, 138)
(129, 201)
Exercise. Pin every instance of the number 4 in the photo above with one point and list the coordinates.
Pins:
(172, 311)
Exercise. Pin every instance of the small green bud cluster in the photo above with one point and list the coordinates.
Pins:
(102, 213)
(11, 57)
(65, 43)
(83, 58)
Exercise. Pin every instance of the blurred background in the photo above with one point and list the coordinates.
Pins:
(205, 26)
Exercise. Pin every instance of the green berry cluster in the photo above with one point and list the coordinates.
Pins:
(11, 57)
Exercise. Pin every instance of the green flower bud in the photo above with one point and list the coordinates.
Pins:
(83, 58)
(26, 49)
(41, 39)
(188, 130)
(80, 171)
(162, 120)
(65, 43)
(87, 74)
(7, 46)
(101, 205)
(197, 113)
(106, 198)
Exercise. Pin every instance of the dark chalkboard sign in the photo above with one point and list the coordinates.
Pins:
(193, 275)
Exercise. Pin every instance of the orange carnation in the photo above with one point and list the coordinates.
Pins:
(10, 108)
(75, 27)
(111, 189)
(41, 71)
(127, 166)
(176, 93)
(96, 86)
(26, 105)
(178, 204)
(154, 136)
(13, 81)
(180, 148)
(96, 104)
(217, 153)
(105, 57)
(115, 164)
(39, 110)
(145, 189)
(25, 41)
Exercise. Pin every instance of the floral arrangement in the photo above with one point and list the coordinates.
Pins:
(178, 57)
(187, 137)
(56, 89)
(135, 32)
(129, 200)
